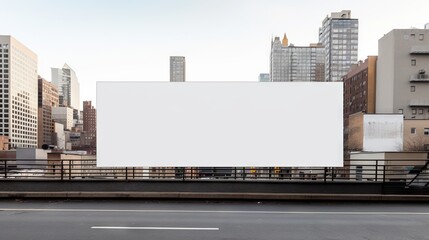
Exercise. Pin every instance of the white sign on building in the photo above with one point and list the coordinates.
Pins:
(383, 132)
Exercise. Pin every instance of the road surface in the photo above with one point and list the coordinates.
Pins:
(112, 219)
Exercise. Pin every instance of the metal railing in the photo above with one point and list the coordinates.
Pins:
(410, 172)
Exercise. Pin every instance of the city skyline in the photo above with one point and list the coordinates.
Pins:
(229, 39)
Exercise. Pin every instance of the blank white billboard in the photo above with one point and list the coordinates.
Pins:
(383, 132)
(213, 124)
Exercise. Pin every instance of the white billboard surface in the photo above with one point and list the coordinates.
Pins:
(210, 124)
(383, 132)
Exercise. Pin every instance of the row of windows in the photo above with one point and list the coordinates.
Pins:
(425, 131)
(413, 36)
(414, 111)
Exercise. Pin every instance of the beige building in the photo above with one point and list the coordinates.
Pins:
(18, 84)
(48, 98)
(375, 132)
(403, 73)
(416, 135)
(398, 166)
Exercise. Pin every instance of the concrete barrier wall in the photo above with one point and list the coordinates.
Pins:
(192, 186)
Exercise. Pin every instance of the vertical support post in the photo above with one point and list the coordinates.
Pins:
(5, 168)
(183, 174)
(70, 169)
(376, 170)
(62, 169)
(384, 174)
(324, 174)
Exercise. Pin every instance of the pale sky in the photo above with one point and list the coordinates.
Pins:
(222, 40)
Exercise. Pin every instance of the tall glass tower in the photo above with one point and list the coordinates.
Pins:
(68, 86)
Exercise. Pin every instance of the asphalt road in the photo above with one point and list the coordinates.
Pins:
(112, 219)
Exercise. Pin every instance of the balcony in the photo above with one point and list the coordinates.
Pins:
(419, 50)
(419, 78)
(424, 102)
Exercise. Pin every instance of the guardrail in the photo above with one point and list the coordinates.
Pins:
(411, 172)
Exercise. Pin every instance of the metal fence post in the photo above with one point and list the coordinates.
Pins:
(70, 169)
(5, 169)
(324, 174)
(183, 174)
(62, 169)
(384, 174)
(376, 170)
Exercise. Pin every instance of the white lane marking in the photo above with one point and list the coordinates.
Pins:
(155, 228)
(208, 211)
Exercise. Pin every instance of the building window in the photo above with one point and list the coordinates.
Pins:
(413, 88)
(413, 130)
(413, 62)
(401, 111)
(426, 131)
(413, 35)
(414, 111)
(421, 37)
(420, 111)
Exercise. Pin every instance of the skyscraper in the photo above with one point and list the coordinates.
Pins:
(68, 86)
(339, 35)
(18, 100)
(290, 63)
(48, 98)
(177, 69)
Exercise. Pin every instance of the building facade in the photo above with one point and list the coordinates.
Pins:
(63, 115)
(403, 73)
(339, 36)
(48, 98)
(416, 135)
(68, 86)
(376, 132)
(264, 77)
(18, 98)
(89, 134)
(89, 117)
(289, 63)
(177, 69)
(359, 88)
